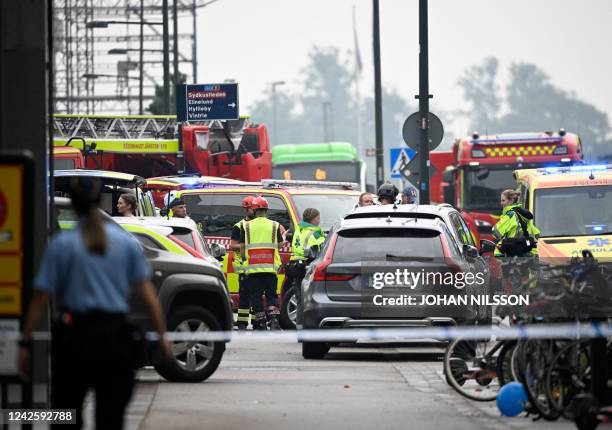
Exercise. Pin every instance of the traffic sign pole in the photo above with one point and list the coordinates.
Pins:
(423, 104)
(378, 118)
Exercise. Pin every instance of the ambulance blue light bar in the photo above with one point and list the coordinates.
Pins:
(576, 169)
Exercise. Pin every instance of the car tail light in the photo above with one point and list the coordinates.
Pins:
(320, 273)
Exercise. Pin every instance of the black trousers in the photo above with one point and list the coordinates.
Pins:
(258, 284)
(94, 352)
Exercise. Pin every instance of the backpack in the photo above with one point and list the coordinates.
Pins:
(516, 246)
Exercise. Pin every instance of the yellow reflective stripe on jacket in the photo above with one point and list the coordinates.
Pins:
(261, 246)
(509, 226)
(238, 263)
(302, 241)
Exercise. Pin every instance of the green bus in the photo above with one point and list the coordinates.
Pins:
(333, 161)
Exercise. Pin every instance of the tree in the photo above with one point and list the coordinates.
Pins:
(157, 105)
(480, 87)
(532, 103)
(328, 78)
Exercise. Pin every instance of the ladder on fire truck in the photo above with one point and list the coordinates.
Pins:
(66, 126)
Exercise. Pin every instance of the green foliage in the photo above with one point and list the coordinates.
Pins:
(532, 103)
(157, 105)
(329, 78)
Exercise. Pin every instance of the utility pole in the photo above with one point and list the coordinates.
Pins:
(424, 104)
(194, 44)
(166, 49)
(141, 58)
(378, 97)
(175, 54)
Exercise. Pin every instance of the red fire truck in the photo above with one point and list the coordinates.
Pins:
(149, 145)
(472, 176)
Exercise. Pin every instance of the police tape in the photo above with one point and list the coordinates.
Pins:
(445, 333)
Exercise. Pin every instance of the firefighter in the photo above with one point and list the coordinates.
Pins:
(387, 193)
(244, 307)
(259, 242)
(308, 236)
(179, 208)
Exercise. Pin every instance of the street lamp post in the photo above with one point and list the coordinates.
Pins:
(166, 58)
(142, 23)
(274, 107)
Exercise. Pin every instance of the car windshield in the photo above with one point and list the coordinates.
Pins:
(333, 207)
(63, 164)
(574, 211)
(357, 245)
(483, 187)
(320, 171)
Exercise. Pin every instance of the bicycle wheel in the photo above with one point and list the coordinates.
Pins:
(568, 376)
(534, 358)
(470, 367)
(504, 363)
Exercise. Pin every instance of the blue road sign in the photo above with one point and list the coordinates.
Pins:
(204, 102)
(399, 158)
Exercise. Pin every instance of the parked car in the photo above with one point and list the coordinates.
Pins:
(216, 210)
(339, 282)
(194, 297)
(177, 235)
(114, 184)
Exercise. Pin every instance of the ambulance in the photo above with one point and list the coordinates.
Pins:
(572, 207)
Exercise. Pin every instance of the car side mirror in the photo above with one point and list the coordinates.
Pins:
(486, 246)
(471, 252)
(217, 251)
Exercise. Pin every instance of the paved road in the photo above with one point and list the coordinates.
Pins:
(269, 386)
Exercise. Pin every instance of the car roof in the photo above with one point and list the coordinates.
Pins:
(106, 176)
(156, 221)
(262, 190)
(401, 211)
(566, 176)
(390, 222)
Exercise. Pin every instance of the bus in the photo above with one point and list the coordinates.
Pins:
(333, 161)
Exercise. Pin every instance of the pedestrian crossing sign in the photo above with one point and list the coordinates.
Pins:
(399, 158)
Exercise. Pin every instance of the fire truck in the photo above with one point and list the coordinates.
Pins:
(150, 145)
(472, 176)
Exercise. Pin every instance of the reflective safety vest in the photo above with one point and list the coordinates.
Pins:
(303, 239)
(509, 226)
(261, 246)
(239, 265)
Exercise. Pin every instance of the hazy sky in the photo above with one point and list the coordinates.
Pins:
(257, 42)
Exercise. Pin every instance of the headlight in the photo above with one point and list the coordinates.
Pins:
(560, 150)
(478, 153)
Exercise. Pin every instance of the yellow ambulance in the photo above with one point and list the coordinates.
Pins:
(572, 207)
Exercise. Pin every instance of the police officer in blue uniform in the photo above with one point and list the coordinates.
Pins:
(91, 271)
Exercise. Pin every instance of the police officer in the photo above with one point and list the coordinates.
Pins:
(259, 242)
(90, 270)
(308, 236)
(179, 208)
(244, 307)
(387, 193)
(409, 195)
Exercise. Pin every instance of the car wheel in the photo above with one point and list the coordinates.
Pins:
(288, 318)
(194, 361)
(314, 350)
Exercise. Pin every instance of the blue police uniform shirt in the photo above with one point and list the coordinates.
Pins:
(83, 281)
